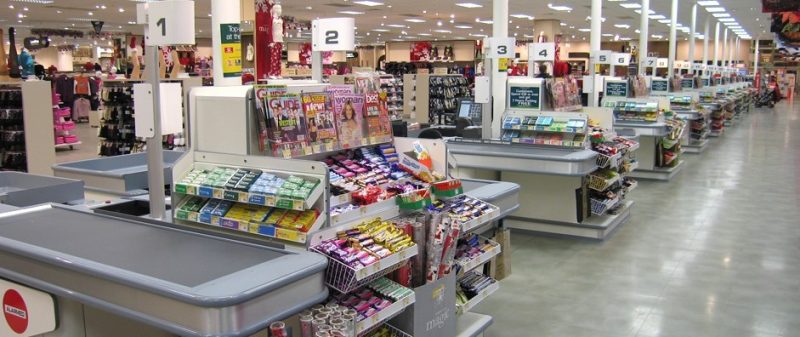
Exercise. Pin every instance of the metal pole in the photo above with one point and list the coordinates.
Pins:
(644, 25)
(597, 21)
(716, 44)
(755, 62)
(498, 79)
(725, 48)
(735, 52)
(692, 32)
(706, 36)
(155, 150)
(672, 39)
(316, 66)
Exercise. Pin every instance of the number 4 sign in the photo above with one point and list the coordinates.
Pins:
(170, 23)
(336, 34)
(542, 52)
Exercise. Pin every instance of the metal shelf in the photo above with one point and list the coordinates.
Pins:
(383, 316)
(345, 278)
(257, 228)
(491, 289)
(480, 259)
(251, 198)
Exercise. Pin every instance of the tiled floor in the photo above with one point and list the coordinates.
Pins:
(715, 252)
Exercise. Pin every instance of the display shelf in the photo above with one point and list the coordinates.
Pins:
(605, 161)
(344, 278)
(371, 323)
(601, 184)
(600, 207)
(249, 198)
(471, 324)
(67, 145)
(386, 209)
(488, 255)
(632, 186)
(477, 299)
(487, 217)
(394, 332)
(632, 167)
(546, 129)
(258, 228)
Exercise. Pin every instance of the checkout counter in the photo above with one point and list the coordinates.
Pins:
(684, 105)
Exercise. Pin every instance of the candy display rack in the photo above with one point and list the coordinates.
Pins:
(695, 140)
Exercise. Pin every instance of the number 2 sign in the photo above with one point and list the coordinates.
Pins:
(170, 23)
(336, 34)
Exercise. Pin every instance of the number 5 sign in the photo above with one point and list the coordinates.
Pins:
(602, 56)
(336, 34)
(170, 23)
(542, 52)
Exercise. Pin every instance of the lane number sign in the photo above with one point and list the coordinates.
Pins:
(502, 47)
(334, 34)
(542, 52)
(170, 23)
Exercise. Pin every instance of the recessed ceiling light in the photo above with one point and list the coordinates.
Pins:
(731, 24)
(351, 12)
(715, 9)
(727, 20)
(396, 26)
(522, 16)
(657, 17)
(721, 15)
(649, 11)
(665, 21)
(486, 22)
(425, 34)
(309, 8)
(90, 13)
(122, 10)
(607, 35)
(381, 30)
(630, 5)
(560, 8)
(131, 22)
(585, 30)
(443, 31)
(415, 20)
(708, 3)
(622, 25)
(11, 6)
(469, 5)
(368, 3)
(463, 26)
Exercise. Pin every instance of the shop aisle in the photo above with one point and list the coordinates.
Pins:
(714, 253)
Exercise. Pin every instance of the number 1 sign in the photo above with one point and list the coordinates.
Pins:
(170, 23)
(336, 34)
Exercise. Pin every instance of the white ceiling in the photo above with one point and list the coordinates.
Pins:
(74, 14)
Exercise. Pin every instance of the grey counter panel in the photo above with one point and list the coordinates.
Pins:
(658, 129)
(502, 194)
(23, 189)
(118, 174)
(526, 159)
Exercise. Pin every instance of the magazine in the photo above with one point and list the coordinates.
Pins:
(349, 119)
(261, 92)
(378, 123)
(288, 137)
(340, 89)
(320, 122)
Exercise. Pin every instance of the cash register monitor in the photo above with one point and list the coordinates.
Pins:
(468, 109)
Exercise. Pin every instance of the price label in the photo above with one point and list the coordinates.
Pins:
(662, 63)
(170, 23)
(542, 52)
(336, 34)
(602, 56)
(620, 59)
(500, 47)
(650, 62)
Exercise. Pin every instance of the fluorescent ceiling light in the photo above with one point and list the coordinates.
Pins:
(396, 26)
(444, 31)
(607, 35)
(415, 20)
(649, 11)
(630, 5)
(463, 26)
(624, 39)
(560, 8)
(656, 36)
(727, 20)
(708, 3)
(731, 24)
(41, 2)
(478, 35)
(620, 25)
(351, 12)
(368, 3)
(469, 5)
(424, 34)
(657, 17)
(380, 30)
(585, 30)
(522, 16)
(715, 9)
(665, 21)
(486, 22)
(721, 15)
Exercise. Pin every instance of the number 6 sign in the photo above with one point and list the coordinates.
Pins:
(170, 23)
(336, 34)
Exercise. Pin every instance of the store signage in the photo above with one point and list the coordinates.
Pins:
(706, 82)
(687, 83)
(686, 65)
(659, 85)
(650, 62)
(525, 97)
(26, 312)
(542, 52)
(697, 67)
(170, 23)
(231, 39)
(662, 63)
(502, 47)
(602, 56)
(34, 43)
(620, 59)
(334, 34)
(616, 89)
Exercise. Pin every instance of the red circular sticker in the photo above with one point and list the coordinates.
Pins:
(15, 311)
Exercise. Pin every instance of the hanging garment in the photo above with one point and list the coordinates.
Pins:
(81, 108)
(82, 86)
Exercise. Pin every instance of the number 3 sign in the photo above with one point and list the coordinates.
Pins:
(170, 23)
(337, 34)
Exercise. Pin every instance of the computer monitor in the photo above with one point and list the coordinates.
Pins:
(464, 108)
(468, 109)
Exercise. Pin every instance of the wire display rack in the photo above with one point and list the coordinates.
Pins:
(600, 207)
(392, 331)
(600, 184)
(606, 161)
(344, 278)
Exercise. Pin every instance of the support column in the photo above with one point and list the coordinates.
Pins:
(725, 48)
(644, 36)
(692, 32)
(499, 30)
(755, 62)
(706, 36)
(735, 53)
(222, 12)
(716, 44)
(672, 39)
(597, 22)
(155, 149)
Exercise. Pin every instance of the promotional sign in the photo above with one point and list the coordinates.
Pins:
(687, 83)
(542, 52)
(620, 59)
(170, 23)
(616, 88)
(650, 62)
(602, 56)
(662, 63)
(659, 85)
(335, 34)
(525, 98)
(500, 47)
(26, 312)
(434, 311)
(706, 81)
(231, 39)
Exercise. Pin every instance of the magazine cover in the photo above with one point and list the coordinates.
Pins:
(340, 89)
(288, 137)
(377, 114)
(261, 93)
(320, 122)
(349, 119)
